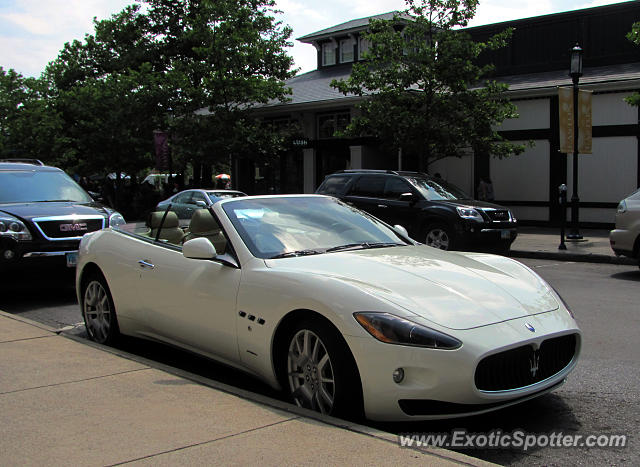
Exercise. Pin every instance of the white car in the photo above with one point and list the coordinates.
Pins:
(625, 238)
(345, 314)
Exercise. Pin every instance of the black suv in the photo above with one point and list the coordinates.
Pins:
(433, 211)
(43, 215)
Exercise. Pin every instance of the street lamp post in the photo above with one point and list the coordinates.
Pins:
(575, 73)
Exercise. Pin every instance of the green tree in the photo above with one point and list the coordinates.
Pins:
(634, 36)
(28, 126)
(180, 66)
(424, 91)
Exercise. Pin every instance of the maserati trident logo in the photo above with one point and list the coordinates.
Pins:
(77, 227)
(534, 363)
(529, 327)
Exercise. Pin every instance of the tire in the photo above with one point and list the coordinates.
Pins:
(318, 371)
(503, 249)
(439, 236)
(98, 310)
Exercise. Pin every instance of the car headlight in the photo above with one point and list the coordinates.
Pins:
(512, 216)
(13, 227)
(622, 207)
(395, 330)
(116, 219)
(469, 213)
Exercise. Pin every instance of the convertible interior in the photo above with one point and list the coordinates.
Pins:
(167, 229)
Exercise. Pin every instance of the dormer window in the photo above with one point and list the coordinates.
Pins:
(328, 54)
(346, 50)
(363, 46)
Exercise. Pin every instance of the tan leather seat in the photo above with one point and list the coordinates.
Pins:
(170, 231)
(204, 225)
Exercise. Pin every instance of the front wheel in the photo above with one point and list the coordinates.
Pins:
(439, 236)
(321, 374)
(98, 310)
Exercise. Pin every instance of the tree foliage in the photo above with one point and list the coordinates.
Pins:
(424, 90)
(634, 36)
(191, 67)
(28, 124)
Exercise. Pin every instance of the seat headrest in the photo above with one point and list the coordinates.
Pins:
(171, 221)
(202, 221)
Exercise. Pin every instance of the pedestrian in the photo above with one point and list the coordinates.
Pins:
(485, 189)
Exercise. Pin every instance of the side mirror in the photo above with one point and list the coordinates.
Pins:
(199, 248)
(401, 230)
(407, 197)
(201, 203)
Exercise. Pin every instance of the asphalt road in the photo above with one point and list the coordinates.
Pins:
(600, 397)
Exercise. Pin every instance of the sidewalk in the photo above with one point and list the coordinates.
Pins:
(67, 402)
(542, 243)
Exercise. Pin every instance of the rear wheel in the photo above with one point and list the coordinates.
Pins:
(319, 372)
(98, 310)
(439, 236)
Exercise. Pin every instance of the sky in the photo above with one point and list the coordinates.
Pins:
(32, 32)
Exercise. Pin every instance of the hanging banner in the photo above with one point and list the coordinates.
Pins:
(584, 121)
(161, 143)
(565, 108)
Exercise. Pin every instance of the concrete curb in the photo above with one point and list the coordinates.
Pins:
(578, 257)
(440, 453)
(36, 324)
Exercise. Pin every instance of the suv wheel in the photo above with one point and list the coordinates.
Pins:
(439, 236)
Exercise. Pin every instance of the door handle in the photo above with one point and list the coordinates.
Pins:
(145, 264)
(382, 206)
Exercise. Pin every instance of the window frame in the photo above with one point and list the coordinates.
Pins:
(364, 45)
(334, 117)
(346, 44)
(328, 47)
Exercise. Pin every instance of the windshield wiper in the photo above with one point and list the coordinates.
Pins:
(363, 246)
(57, 201)
(290, 254)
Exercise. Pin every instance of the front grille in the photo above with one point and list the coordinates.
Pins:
(523, 366)
(68, 228)
(498, 215)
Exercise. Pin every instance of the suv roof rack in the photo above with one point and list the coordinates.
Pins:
(368, 171)
(411, 173)
(382, 171)
(24, 161)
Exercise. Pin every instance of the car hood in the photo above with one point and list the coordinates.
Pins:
(28, 211)
(454, 290)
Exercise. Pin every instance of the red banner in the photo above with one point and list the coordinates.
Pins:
(161, 142)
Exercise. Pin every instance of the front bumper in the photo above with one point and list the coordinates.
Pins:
(15, 254)
(486, 234)
(622, 242)
(444, 379)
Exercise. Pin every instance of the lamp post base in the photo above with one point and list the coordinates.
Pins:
(575, 237)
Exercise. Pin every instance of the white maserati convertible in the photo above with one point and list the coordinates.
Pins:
(344, 313)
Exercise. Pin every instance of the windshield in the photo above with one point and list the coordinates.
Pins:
(22, 186)
(434, 190)
(281, 227)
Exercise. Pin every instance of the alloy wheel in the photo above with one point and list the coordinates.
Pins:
(438, 238)
(310, 372)
(97, 311)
